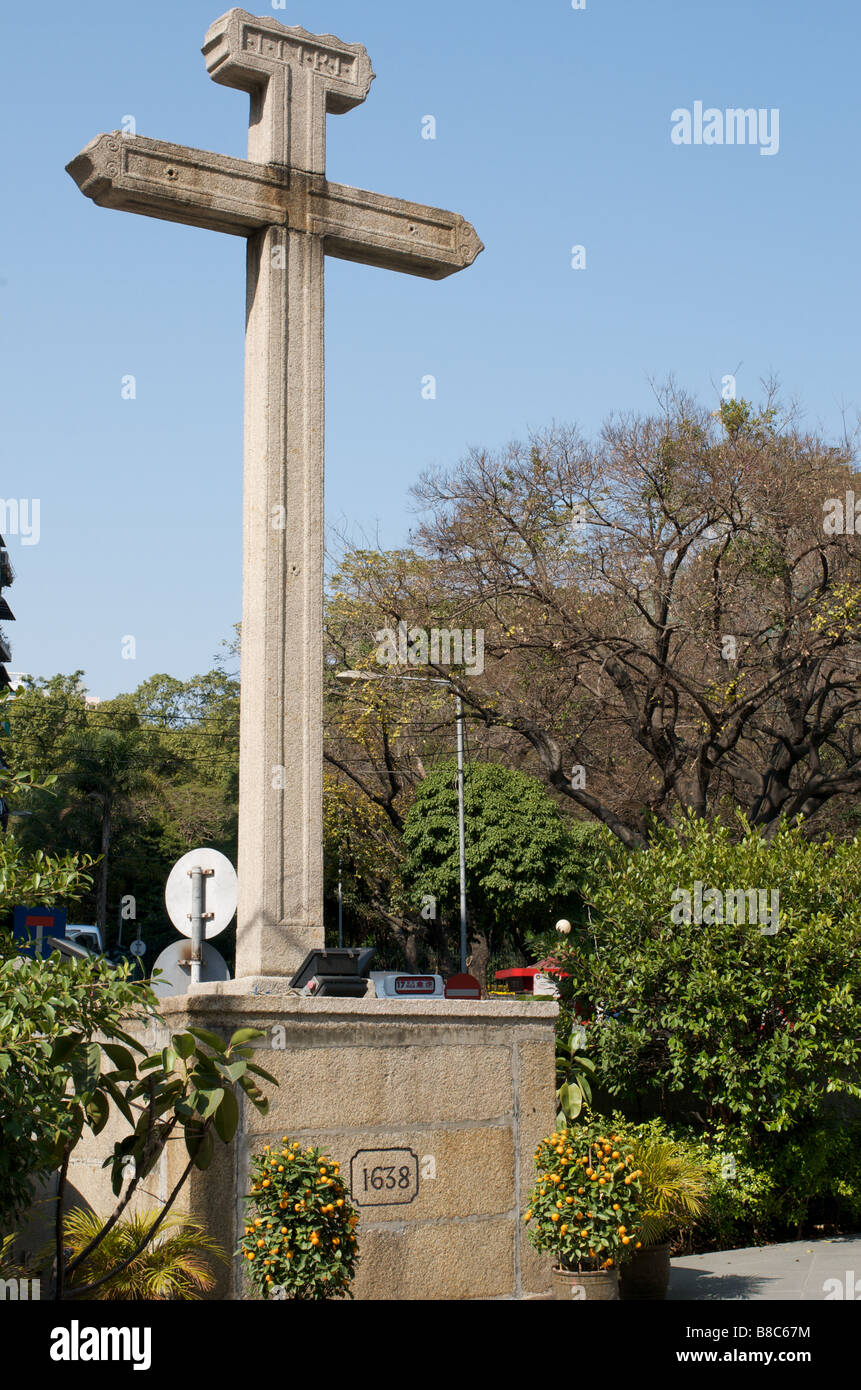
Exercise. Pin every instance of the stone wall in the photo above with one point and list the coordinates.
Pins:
(463, 1091)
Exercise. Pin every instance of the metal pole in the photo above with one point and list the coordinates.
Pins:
(340, 905)
(461, 832)
(196, 922)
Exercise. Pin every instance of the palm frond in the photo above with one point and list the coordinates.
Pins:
(674, 1184)
(175, 1265)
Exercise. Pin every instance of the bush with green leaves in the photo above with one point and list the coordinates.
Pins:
(764, 1187)
(759, 1187)
(586, 1205)
(717, 1021)
(68, 1062)
(187, 1088)
(42, 1001)
(300, 1237)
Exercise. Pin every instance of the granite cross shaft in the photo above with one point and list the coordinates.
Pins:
(281, 201)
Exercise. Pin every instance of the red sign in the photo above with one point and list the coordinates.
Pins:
(415, 984)
(462, 987)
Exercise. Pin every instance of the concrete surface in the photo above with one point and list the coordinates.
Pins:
(802, 1271)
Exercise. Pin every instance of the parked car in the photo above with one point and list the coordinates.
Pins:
(91, 937)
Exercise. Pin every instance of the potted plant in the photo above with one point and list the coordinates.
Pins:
(585, 1208)
(299, 1231)
(674, 1183)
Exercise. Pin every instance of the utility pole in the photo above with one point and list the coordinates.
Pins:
(340, 904)
(461, 833)
(461, 819)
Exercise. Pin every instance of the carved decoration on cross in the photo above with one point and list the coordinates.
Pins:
(292, 217)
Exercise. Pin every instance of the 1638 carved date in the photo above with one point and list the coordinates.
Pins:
(384, 1177)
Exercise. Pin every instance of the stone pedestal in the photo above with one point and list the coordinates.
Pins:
(463, 1090)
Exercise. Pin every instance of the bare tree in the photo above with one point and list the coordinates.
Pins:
(671, 613)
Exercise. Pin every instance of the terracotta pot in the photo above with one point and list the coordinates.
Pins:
(647, 1275)
(586, 1284)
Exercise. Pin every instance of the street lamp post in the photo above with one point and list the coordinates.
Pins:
(461, 819)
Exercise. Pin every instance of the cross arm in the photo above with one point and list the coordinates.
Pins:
(179, 184)
(387, 232)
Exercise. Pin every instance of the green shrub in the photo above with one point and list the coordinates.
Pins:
(300, 1231)
(717, 1021)
(586, 1206)
(675, 1181)
(766, 1187)
(42, 1002)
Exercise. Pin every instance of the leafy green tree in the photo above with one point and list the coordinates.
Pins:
(106, 767)
(137, 781)
(519, 855)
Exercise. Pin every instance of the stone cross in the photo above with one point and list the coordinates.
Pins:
(280, 200)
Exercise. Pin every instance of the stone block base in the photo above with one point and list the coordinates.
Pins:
(461, 1090)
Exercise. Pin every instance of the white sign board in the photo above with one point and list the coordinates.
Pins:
(398, 984)
(220, 891)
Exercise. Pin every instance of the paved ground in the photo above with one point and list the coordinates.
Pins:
(797, 1272)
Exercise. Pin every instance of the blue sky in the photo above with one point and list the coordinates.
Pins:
(553, 129)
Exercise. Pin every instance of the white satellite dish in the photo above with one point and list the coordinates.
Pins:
(220, 891)
(176, 966)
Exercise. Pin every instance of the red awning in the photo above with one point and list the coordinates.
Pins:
(527, 972)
